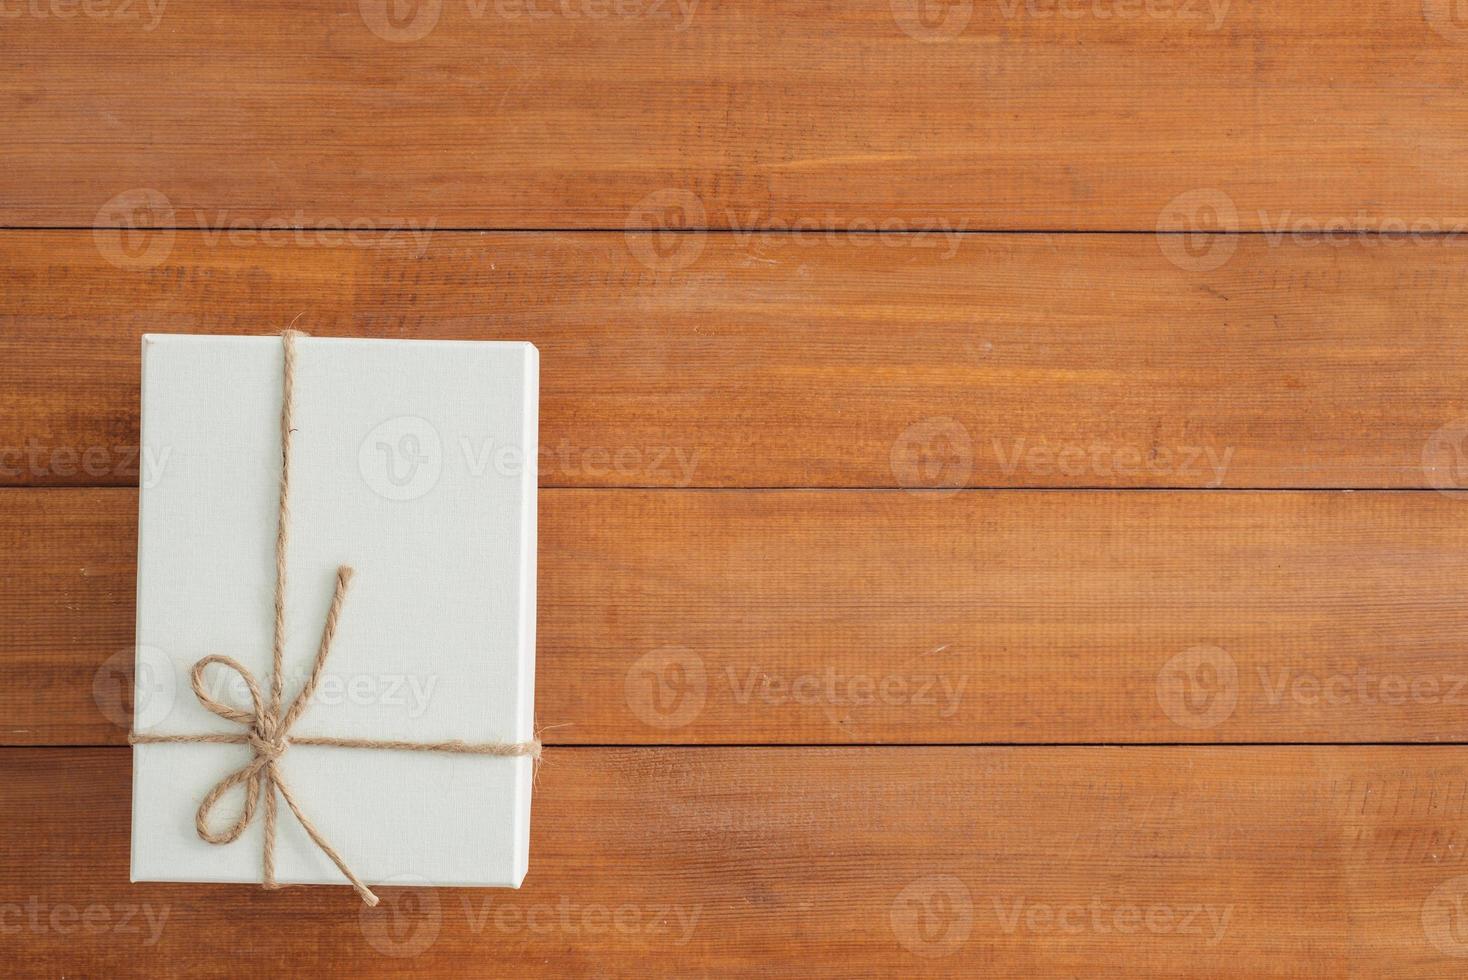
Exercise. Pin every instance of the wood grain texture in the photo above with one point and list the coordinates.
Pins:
(784, 281)
(1168, 862)
(530, 113)
(691, 617)
(786, 361)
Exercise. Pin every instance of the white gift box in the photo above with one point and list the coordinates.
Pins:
(414, 462)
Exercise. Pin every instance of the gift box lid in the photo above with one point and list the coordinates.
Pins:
(414, 462)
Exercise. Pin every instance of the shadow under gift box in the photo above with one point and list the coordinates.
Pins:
(414, 462)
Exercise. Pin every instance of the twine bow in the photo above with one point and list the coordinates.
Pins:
(268, 732)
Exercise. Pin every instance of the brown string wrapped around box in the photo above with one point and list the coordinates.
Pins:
(268, 733)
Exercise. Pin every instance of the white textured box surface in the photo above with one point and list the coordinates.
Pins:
(415, 463)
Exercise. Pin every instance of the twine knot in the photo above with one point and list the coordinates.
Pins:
(267, 748)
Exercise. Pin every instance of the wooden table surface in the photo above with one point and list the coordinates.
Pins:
(1004, 465)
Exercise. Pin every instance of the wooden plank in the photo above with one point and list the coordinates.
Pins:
(1266, 862)
(523, 113)
(782, 361)
(690, 617)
